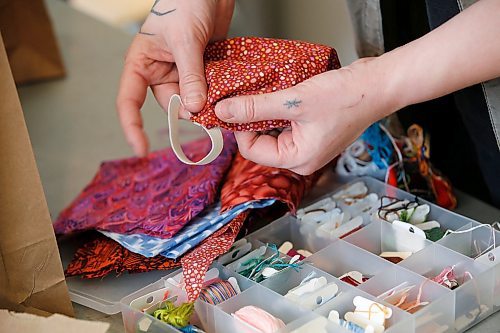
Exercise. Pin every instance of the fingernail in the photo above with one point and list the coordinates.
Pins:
(194, 99)
(222, 111)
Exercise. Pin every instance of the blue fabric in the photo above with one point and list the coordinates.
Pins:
(197, 230)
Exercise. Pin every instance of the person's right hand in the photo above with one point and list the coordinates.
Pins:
(167, 55)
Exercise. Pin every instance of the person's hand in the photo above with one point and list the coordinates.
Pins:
(167, 55)
(327, 112)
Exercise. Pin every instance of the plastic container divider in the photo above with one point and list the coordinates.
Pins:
(333, 257)
(288, 228)
(473, 298)
(342, 257)
(400, 321)
(440, 310)
(258, 296)
(380, 237)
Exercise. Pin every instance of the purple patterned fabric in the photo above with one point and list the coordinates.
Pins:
(156, 195)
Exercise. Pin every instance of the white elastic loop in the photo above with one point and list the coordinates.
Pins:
(215, 135)
(492, 236)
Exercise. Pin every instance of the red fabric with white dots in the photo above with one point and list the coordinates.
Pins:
(250, 66)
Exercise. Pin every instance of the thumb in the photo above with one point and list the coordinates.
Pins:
(193, 87)
(284, 104)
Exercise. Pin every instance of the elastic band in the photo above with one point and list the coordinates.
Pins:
(215, 135)
(492, 236)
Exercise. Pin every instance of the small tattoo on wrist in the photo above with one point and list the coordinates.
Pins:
(157, 13)
(293, 103)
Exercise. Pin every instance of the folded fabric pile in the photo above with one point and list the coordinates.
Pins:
(399, 160)
(158, 213)
(199, 242)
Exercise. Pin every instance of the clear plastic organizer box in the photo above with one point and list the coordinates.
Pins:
(446, 310)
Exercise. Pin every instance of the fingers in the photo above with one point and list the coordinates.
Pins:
(223, 16)
(163, 92)
(193, 87)
(285, 104)
(131, 96)
(278, 152)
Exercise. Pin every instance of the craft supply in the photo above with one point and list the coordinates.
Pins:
(191, 329)
(219, 291)
(363, 205)
(287, 248)
(398, 296)
(354, 278)
(356, 161)
(102, 256)
(349, 325)
(345, 228)
(491, 243)
(379, 145)
(448, 279)
(211, 275)
(354, 191)
(399, 212)
(198, 229)
(313, 211)
(253, 255)
(368, 316)
(260, 268)
(409, 228)
(258, 319)
(403, 210)
(395, 257)
(371, 310)
(312, 292)
(239, 249)
(128, 195)
(177, 316)
(363, 322)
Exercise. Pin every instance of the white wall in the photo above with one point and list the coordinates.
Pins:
(322, 21)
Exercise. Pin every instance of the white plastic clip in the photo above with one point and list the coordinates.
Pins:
(236, 265)
(240, 248)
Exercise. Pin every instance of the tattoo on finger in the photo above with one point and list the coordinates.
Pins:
(158, 13)
(293, 103)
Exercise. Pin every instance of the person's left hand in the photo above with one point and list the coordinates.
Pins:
(327, 112)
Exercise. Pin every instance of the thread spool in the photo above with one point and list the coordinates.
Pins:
(219, 291)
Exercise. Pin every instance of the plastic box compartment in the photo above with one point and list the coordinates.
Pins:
(261, 297)
(342, 257)
(288, 228)
(204, 313)
(440, 310)
(380, 237)
(447, 219)
(282, 282)
(136, 321)
(473, 298)
(400, 321)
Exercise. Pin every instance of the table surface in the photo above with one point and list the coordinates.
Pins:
(73, 124)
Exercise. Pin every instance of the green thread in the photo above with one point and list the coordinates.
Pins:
(403, 216)
(175, 316)
(253, 268)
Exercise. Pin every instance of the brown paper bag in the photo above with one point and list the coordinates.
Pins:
(31, 273)
(29, 40)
